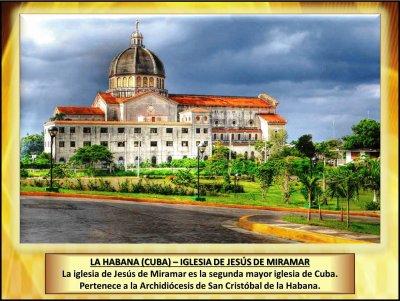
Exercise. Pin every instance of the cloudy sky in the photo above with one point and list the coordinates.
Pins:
(323, 69)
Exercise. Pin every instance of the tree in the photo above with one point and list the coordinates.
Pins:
(266, 173)
(285, 177)
(217, 164)
(58, 116)
(32, 144)
(278, 140)
(263, 146)
(324, 151)
(309, 183)
(371, 174)
(305, 146)
(90, 155)
(346, 181)
(243, 167)
(184, 178)
(366, 134)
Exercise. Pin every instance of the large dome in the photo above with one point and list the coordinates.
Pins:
(136, 70)
(136, 60)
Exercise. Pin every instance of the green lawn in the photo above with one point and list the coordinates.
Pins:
(361, 227)
(252, 195)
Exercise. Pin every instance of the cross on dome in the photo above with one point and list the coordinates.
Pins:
(137, 37)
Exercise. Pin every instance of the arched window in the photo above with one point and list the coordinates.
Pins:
(139, 81)
(205, 158)
(145, 82)
(222, 136)
(61, 160)
(120, 161)
(125, 82)
(255, 138)
(131, 81)
(216, 122)
(246, 155)
(184, 157)
(153, 160)
(234, 122)
(158, 82)
(151, 82)
(119, 82)
(169, 159)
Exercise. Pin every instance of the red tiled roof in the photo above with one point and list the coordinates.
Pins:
(217, 130)
(108, 98)
(219, 101)
(273, 118)
(79, 110)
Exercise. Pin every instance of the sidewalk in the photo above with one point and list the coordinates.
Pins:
(304, 233)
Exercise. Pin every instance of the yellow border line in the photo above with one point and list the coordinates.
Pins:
(298, 235)
(206, 204)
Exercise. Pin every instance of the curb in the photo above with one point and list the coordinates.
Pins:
(298, 235)
(160, 201)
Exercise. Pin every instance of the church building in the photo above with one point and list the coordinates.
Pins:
(139, 120)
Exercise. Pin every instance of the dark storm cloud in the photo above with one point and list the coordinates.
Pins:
(322, 69)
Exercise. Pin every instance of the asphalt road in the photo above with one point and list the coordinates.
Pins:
(66, 220)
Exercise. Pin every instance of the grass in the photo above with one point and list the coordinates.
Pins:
(355, 226)
(252, 195)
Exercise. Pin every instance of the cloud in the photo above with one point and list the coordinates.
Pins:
(320, 68)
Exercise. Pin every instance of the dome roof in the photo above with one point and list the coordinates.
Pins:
(136, 60)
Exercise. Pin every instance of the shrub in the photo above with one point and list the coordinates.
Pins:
(124, 186)
(184, 178)
(105, 185)
(24, 173)
(372, 206)
(59, 172)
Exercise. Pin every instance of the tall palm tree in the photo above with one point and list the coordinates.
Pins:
(346, 182)
(309, 184)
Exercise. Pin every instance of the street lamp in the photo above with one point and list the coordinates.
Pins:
(53, 130)
(313, 163)
(200, 150)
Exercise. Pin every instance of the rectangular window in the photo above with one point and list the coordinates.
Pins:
(137, 143)
(153, 143)
(103, 130)
(121, 130)
(169, 130)
(249, 136)
(87, 143)
(137, 130)
(170, 143)
(86, 130)
(72, 144)
(197, 130)
(222, 136)
(197, 143)
(61, 143)
(104, 143)
(233, 136)
(185, 143)
(153, 130)
(61, 130)
(185, 130)
(72, 130)
(255, 138)
(205, 131)
(121, 144)
(238, 136)
(215, 136)
(206, 143)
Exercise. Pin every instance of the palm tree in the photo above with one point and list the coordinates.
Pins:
(309, 184)
(371, 172)
(345, 182)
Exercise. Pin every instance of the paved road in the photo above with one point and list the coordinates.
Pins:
(66, 220)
